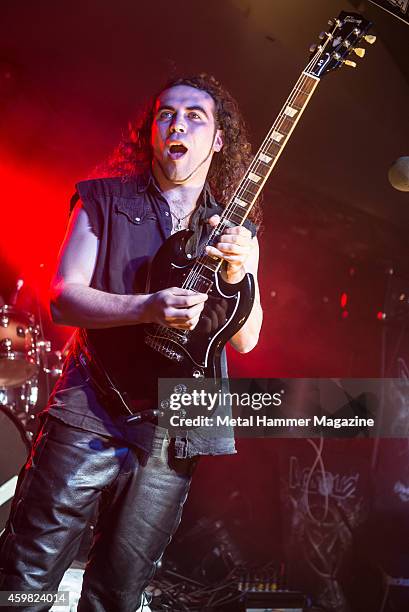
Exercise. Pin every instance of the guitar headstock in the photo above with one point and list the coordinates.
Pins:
(338, 43)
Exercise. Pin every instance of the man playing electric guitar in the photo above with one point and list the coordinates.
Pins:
(177, 170)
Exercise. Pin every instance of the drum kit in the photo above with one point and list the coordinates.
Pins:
(28, 369)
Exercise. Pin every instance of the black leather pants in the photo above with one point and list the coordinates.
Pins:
(70, 473)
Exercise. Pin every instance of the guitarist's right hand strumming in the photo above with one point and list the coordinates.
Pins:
(175, 307)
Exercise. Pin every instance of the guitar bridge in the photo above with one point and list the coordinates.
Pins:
(165, 348)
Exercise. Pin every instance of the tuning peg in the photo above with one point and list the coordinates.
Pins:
(322, 35)
(313, 48)
(334, 21)
(349, 63)
(359, 51)
(370, 38)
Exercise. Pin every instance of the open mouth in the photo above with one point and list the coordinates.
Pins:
(176, 151)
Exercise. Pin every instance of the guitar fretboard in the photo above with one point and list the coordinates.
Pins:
(245, 196)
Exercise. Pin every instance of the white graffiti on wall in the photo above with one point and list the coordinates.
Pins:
(324, 483)
(402, 491)
(326, 506)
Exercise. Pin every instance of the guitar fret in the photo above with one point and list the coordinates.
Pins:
(277, 136)
(251, 188)
(200, 283)
(266, 159)
(236, 217)
(299, 100)
(210, 265)
(303, 91)
(262, 169)
(310, 83)
(290, 111)
(254, 177)
(286, 123)
(202, 277)
(272, 143)
(241, 202)
(273, 149)
(248, 194)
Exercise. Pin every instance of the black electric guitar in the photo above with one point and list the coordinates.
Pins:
(196, 353)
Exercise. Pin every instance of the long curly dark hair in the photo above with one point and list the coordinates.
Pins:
(134, 152)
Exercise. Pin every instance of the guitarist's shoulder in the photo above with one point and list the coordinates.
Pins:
(99, 189)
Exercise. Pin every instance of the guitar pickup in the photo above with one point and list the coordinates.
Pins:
(201, 284)
(163, 348)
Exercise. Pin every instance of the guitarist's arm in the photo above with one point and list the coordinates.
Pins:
(241, 254)
(75, 303)
(247, 337)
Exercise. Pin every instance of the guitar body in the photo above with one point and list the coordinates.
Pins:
(196, 353)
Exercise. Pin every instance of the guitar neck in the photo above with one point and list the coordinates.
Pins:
(267, 156)
(260, 168)
(337, 44)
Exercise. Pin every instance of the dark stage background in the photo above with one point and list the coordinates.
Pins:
(334, 246)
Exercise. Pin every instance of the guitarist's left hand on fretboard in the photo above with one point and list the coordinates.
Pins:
(234, 246)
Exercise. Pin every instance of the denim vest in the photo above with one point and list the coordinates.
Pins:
(131, 219)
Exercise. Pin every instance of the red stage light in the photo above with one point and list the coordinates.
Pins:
(34, 217)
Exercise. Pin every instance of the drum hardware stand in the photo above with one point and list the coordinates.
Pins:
(26, 364)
